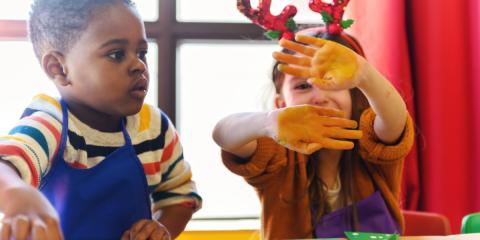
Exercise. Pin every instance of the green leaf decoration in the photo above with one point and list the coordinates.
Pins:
(326, 17)
(346, 23)
(370, 236)
(273, 34)
(291, 25)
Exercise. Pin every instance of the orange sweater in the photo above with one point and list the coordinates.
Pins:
(280, 179)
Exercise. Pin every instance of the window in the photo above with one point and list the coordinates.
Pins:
(234, 78)
(18, 10)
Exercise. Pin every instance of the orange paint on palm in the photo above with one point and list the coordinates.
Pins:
(298, 124)
(334, 66)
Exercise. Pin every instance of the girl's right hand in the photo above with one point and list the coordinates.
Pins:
(29, 215)
(308, 128)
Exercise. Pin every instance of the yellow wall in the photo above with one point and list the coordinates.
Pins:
(220, 235)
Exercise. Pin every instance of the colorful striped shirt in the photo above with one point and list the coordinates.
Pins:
(33, 144)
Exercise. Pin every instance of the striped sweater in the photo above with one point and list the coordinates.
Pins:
(33, 144)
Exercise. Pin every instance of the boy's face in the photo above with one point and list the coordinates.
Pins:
(107, 67)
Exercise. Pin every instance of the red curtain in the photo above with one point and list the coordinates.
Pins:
(380, 28)
(433, 46)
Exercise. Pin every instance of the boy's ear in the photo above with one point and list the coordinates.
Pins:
(53, 63)
(279, 101)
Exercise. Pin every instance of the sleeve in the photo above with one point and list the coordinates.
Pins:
(373, 150)
(268, 158)
(32, 144)
(386, 159)
(176, 186)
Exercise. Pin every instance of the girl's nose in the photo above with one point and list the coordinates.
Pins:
(319, 97)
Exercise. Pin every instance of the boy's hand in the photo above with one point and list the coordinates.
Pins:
(147, 229)
(325, 63)
(29, 215)
(308, 128)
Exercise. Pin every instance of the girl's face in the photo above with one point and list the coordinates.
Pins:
(297, 91)
(106, 67)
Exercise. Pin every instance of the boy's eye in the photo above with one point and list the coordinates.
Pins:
(142, 55)
(117, 55)
(304, 85)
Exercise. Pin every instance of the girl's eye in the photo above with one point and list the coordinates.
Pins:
(302, 86)
(142, 55)
(118, 55)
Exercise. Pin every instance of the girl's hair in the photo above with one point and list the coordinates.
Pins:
(59, 23)
(317, 195)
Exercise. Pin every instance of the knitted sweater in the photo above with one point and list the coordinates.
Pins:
(279, 177)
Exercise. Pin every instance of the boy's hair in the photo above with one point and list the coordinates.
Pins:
(59, 24)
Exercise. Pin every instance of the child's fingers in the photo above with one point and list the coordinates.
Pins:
(160, 234)
(338, 122)
(6, 229)
(21, 227)
(340, 133)
(147, 230)
(337, 144)
(328, 112)
(54, 231)
(317, 42)
(291, 59)
(138, 226)
(296, 47)
(39, 230)
(295, 71)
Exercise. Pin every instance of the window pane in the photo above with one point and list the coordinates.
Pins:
(23, 78)
(148, 9)
(15, 10)
(152, 60)
(226, 11)
(217, 78)
(19, 9)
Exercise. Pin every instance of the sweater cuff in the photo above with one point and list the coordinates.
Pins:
(373, 150)
(256, 164)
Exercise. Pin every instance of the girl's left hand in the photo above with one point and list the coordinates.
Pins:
(147, 230)
(325, 63)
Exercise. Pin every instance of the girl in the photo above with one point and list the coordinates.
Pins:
(102, 161)
(312, 181)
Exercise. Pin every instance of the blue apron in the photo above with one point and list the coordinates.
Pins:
(101, 202)
(373, 216)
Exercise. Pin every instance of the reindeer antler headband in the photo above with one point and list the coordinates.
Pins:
(332, 14)
(283, 25)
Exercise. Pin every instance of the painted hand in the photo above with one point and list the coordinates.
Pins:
(308, 128)
(147, 229)
(325, 63)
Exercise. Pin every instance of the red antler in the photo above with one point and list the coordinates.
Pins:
(281, 26)
(335, 13)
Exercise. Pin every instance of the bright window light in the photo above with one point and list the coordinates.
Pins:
(19, 9)
(214, 79)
